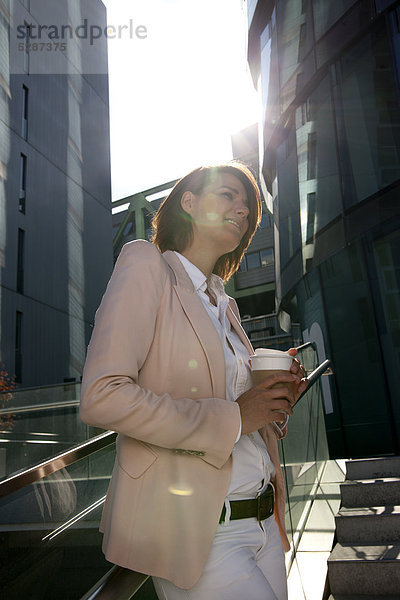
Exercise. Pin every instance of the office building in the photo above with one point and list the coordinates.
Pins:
(55, 205)
(328, 76)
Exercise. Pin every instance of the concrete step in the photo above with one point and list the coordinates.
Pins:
(371, 492)
(369, 525)
(363, 569)
(373, 468)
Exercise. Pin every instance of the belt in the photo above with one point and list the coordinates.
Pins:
(261, 507)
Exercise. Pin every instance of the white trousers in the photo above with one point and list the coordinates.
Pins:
(246, 562)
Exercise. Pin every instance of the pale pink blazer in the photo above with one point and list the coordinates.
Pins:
(155, 373)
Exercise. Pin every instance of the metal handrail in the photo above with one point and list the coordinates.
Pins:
(325, 368)
(39, 407)
(116, 583)
(322, 369)
(16, 481)
(306, 345)
(46, 386)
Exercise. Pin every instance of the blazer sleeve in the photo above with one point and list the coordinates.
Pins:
(122, 335)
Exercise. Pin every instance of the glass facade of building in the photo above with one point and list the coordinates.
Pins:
(328, 75)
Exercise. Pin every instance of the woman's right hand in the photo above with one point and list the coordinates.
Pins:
(261, 404)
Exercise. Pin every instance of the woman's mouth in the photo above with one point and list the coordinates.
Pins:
(233, 223)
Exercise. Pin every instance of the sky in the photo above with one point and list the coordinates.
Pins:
(178, 90)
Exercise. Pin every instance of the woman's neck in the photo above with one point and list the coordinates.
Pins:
(202, 258)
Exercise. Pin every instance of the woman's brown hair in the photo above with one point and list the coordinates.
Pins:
(172, 226)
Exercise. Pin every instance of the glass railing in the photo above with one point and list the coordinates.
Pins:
(304, 452)
(51, 546)
(39, 422)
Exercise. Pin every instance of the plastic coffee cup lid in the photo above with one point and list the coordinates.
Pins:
(268, 358)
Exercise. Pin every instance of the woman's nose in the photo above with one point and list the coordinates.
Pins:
(242, 209)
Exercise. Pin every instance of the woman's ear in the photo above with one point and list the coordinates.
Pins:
(187, 202)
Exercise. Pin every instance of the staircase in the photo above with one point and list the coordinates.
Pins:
(365, 562)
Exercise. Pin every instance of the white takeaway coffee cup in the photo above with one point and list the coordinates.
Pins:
(266, 362)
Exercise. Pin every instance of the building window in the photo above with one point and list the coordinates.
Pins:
(397, 18)
(253, 260)
(267, 257)
(310, 217)
(311, 155)
(20, 261)
(22, 183)
(18, 347)
(302, 42)
(24, 123)
(256, 260)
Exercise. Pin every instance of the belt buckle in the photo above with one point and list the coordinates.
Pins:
(263, 504)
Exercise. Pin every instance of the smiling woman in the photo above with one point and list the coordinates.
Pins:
(168, 369)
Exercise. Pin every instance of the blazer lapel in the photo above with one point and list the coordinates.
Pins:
(239, 329)
(201, 323)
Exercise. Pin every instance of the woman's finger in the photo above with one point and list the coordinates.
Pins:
(295, 366)
(282, 405)
(284, 394)
(282, 377)
(303, 385)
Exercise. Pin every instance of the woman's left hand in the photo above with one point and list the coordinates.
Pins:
(298, 369)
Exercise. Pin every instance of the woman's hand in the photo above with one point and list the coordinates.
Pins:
(261, 404)
(298, 369)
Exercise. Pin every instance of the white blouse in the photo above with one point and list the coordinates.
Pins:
(252, 466)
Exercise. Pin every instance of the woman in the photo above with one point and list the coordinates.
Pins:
(167, 368)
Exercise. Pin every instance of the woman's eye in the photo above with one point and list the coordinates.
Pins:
(228, 195)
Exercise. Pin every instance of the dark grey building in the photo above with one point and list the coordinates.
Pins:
(55, 205)
(328, 76)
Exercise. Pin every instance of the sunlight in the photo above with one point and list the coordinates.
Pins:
(178, 95)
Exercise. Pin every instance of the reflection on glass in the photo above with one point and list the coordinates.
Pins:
(43, 422)
(50, 532)
(267, 257)
(327, 13)
(318, 173)
(295, 40)
(367, 118)
(351, 322)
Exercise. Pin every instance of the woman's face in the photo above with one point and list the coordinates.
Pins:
(219, 213)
